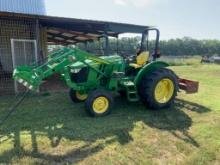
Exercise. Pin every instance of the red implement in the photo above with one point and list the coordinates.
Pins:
(188, 85)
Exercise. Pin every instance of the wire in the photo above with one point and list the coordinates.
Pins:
(14, 107)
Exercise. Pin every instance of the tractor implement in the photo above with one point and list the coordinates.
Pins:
(32, 76)
(95, 80)
(188, 86)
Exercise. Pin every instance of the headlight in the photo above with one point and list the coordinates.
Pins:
(75, 70)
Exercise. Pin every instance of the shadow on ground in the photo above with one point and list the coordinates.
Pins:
(64, 123)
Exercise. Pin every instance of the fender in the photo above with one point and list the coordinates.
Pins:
(149, 68)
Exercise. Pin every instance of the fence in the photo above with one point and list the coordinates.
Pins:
(17, 44)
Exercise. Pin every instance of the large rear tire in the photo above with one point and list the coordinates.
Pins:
(158, 89)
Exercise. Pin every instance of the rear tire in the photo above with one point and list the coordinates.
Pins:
(99, 103)
(158, 89)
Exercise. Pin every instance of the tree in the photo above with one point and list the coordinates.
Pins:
(173, 47)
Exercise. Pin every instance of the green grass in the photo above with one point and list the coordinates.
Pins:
(181, 61)
(50, 129)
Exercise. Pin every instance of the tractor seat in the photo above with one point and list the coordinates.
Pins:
(141, 60)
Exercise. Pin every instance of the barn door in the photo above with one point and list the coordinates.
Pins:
(24, 52)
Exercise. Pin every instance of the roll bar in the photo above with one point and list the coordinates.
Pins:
(156, 53)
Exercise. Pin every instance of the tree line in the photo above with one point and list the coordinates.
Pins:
(173, 47)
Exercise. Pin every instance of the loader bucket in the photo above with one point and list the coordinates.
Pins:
(26, 76)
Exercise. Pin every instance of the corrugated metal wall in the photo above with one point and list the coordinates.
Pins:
(23, 6)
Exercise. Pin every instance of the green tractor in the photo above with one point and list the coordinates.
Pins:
(96, 80)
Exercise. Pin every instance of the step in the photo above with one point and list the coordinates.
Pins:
(132, 94)
(134, 98)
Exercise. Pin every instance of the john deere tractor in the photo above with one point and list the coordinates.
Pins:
(96, 80)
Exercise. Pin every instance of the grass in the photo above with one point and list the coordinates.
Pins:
(181, 61)
(50, 129)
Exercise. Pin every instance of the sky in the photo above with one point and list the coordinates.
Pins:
(198, 19)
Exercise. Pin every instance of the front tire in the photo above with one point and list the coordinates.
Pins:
(77, 96)
(99, 103)
(158, 89)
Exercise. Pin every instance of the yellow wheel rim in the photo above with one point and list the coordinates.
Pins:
(80, 96)
(100, 105)
(164, 91)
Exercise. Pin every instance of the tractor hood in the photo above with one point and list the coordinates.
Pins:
(110, 59)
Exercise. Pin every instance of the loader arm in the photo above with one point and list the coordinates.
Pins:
(32, 76)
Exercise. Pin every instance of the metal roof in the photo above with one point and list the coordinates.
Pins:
(23, 6)
(72, 30)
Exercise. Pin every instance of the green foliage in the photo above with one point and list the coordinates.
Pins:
(173, 47)
(181, 60)
(123, 46)
(189, 46)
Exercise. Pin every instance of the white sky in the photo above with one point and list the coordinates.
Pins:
(175, 18)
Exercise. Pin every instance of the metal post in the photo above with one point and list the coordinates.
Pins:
(106, 49)
(13, 63)
(40, 56)
(117, 46)
(86, 45)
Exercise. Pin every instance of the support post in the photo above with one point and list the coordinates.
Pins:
(86, 45)
(40, 56)
(117, 46)
(106, 49)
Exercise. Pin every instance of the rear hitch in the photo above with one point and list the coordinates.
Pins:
(188, 86)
